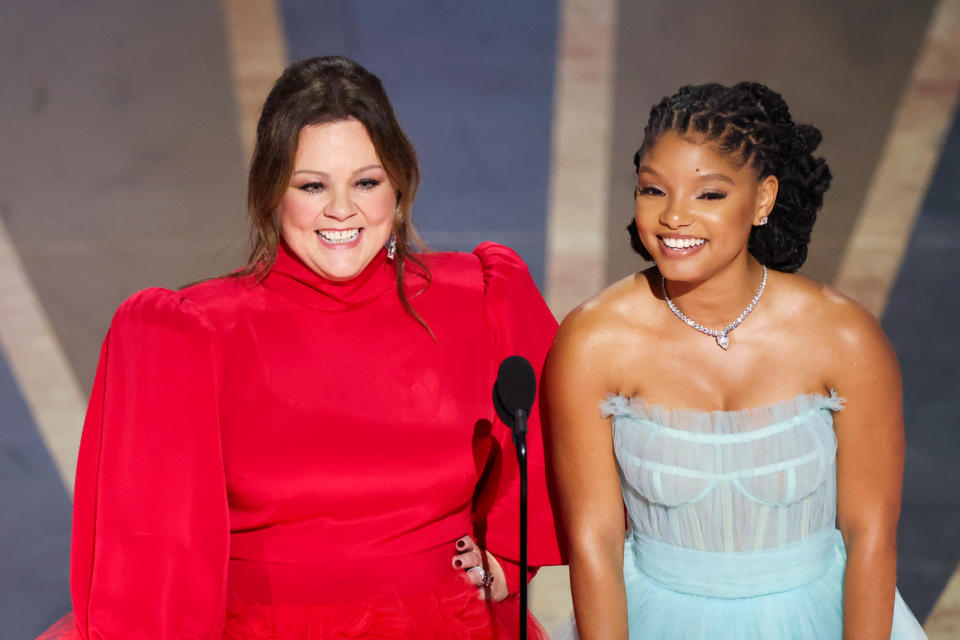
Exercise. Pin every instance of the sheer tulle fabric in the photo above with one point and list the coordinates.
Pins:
(452, 612)
(811, 611)
(732, 522)
(727, 481)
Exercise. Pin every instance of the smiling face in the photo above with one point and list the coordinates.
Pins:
(695, 207)
(337, 212)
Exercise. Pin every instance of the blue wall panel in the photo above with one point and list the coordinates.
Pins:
(472, 84)
(922, 322)
(34, 523)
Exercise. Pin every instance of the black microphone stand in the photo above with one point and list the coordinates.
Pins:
(520, 443)
(513, 396)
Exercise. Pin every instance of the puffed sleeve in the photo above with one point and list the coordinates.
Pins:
(150, 528)
(519, 323)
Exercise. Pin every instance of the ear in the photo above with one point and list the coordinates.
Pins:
(766, 197)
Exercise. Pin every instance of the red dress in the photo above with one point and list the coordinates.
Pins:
(295, 457)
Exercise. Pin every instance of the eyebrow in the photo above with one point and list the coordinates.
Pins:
(722, 177)
(324, 173)
(644, 168)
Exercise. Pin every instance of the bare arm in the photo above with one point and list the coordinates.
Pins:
(869, 472)
(587, 482)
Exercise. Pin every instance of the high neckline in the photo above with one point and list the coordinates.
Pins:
(293, 279)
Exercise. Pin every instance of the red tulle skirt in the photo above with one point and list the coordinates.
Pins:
(452, 611)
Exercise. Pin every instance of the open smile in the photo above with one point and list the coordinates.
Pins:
(680, 246)
(338, 237)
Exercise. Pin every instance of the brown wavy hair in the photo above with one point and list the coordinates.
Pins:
(317, 91)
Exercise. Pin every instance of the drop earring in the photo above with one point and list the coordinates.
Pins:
(391, 247)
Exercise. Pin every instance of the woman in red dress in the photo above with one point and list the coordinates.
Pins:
(307, 448)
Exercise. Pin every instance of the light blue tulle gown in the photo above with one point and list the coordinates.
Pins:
(732, 522)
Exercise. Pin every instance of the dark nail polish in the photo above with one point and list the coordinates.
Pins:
(458, 563)
(461, 544)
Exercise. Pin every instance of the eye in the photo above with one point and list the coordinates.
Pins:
(650, 191)
(713, 195)
(312, 187)
(366, 184)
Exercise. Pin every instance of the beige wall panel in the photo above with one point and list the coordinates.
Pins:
(122, 167)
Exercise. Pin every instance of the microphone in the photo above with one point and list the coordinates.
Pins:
(513, 395)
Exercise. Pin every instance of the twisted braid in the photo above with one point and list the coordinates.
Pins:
(752, 124)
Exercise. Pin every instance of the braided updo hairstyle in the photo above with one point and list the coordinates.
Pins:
(752, 124)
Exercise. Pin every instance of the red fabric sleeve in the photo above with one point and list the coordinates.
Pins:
(520, 324)
(150, 524)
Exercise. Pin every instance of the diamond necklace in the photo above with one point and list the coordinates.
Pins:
(722, 336)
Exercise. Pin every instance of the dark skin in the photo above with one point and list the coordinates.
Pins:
(802, 337)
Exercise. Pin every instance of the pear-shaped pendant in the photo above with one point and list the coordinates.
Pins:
(722, 336)
(723, 340)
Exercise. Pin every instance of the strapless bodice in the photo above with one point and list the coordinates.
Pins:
(727, 480)
(732, 518)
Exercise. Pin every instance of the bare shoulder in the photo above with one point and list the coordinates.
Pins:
(614, 309)
(849, 333)
(599, 329)
(852, 325)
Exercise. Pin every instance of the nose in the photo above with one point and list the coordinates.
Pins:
(340, 206)
(674, 215)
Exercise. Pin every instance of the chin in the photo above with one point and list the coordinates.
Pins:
(341, 269)
(335, 264)
(681, 271)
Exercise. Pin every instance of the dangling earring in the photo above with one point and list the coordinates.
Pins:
(764, 220)
(392, 242)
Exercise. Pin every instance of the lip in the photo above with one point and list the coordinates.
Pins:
(339, 246)
(670, 252)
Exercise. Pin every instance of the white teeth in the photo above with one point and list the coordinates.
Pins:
(683, 243)
(334, 236)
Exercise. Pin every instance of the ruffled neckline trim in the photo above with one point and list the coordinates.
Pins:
(291, 278)
(736, 421)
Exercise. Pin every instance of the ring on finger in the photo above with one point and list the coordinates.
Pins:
(486, 577)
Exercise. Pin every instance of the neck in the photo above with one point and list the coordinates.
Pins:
(295, 280)
(717, 301)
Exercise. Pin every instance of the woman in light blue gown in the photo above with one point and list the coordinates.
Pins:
(749, 418)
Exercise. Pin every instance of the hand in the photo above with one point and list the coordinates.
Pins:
(469, 555)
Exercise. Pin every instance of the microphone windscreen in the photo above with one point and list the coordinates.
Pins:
(516, 388)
